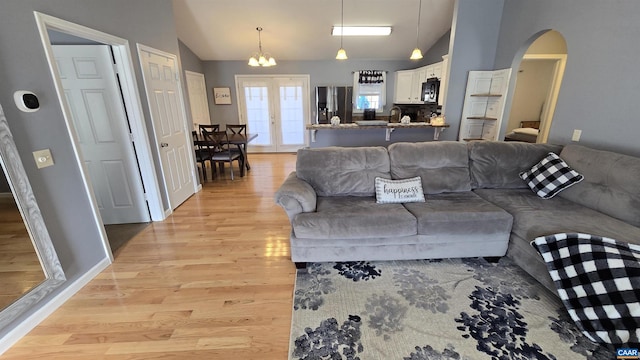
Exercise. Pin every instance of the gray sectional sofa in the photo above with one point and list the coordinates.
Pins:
(476, 204)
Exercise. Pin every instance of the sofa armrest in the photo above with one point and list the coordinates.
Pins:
(296, 196)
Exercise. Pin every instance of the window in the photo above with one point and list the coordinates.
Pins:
(369, 90)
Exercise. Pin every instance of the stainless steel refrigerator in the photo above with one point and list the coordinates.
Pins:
(332, 101)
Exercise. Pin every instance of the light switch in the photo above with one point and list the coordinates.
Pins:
(43, 158)
(576, 135)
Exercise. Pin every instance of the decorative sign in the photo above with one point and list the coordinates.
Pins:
(222, 96)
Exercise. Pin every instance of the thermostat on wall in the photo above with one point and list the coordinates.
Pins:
(26, 101)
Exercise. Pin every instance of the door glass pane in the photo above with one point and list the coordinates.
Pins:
(291, 115)
(257, 100)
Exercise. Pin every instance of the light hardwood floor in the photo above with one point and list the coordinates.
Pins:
(20, 268)
(213, 281)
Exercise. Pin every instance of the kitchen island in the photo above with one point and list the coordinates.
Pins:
(409, 131)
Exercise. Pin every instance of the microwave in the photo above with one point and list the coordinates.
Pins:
(430, 91)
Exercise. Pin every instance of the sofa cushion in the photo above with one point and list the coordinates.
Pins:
(461, 213)
(399, 191)
(550, 176)
(443, 166)
(353, 217)
(611, 184)
(497, 164)
(534, 217)
(341, 171)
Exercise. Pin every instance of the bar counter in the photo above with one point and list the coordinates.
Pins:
(389, 127)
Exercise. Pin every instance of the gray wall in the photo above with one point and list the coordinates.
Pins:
(190, 62)
(67, 213)
(599, 92)
(474, 38)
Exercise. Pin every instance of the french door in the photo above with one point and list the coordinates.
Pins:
(276, 108)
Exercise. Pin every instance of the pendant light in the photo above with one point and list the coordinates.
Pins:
(342, 55)
(417, 54)
(260, 58)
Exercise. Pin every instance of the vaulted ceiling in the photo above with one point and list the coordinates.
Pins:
(301, 29)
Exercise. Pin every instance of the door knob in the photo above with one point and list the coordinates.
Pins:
(164, 144)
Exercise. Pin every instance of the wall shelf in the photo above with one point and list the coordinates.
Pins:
(481, 118)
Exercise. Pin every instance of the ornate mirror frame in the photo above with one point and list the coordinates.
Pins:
(21, 188)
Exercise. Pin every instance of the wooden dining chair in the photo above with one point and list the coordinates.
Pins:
(221, 153)
(237, 130)
(209, 128)
(203, 154)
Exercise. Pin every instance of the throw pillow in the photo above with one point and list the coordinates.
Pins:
(598, 281)
(399, 191)
(550, 176)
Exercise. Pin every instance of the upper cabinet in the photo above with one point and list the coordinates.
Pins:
(404, 89)
(408, 84)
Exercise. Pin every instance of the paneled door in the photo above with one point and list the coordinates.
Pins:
(160, 74)
(484, 103)
(100, 122)
(276, 108)
(198, 102)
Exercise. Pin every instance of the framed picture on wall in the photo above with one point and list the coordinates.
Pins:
(222, 96)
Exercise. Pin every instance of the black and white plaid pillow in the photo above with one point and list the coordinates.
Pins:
(598, 280)
(550, 176)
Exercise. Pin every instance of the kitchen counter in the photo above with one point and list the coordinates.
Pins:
(389, 128)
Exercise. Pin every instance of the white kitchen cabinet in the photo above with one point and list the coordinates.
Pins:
(403, 87)
(408, 86)
(434, 70)
(443, 81)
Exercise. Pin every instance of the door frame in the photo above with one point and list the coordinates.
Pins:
(133, 108)
(200, 76)
(241, 103)
(195, 178)
(551, 100)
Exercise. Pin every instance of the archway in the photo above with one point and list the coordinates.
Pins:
(540, 65)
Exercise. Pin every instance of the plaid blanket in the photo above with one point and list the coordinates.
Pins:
(598, 280)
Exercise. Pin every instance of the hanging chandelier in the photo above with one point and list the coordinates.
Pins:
(417, 54)
(260, 58)
(341, 55)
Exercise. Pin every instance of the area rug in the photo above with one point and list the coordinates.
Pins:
(463, 309)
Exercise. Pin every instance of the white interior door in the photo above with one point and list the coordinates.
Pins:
(160, 73)
(197, 90)
(484, 101)
(276, 108)
(100, 122)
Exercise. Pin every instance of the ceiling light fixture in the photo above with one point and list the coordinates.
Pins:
(361, 30)
(341, 55)
(260, 58)
(417, 54)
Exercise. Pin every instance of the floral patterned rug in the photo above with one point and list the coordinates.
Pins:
(463, 309)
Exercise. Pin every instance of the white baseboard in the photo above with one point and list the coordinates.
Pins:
(47, 309)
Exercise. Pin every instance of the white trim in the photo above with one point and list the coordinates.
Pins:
(307, 110)
(195, 180)
(133, 107)
(22, 329)
(554, 90)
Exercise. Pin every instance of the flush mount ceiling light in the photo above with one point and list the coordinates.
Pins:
(417, 54)
(260, 58)
(361, 31)
(341, 55)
